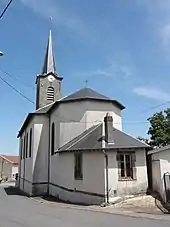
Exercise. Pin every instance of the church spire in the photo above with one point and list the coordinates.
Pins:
(49, 61)
(48, 82)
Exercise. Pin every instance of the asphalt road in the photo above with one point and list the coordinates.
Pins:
(19, 211)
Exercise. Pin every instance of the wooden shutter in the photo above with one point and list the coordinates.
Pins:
(133, 157)
(118, 157)
(134, 166)
(118, 165)
(134, 173)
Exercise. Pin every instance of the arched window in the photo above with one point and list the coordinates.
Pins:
(50, 94)
(30, 144)
(26, 146)
(21, 148)
(52, 138)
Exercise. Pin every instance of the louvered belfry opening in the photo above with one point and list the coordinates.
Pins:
(50, 94)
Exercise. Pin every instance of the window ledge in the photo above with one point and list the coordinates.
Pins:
(127, 179)
(78, 178)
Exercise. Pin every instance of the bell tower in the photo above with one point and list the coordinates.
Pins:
(48, 83)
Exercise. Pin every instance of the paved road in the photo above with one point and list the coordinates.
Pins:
(19, 211)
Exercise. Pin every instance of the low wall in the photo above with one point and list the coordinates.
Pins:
(32, 188)
(25, 186)
(78, 197)
(39, 189)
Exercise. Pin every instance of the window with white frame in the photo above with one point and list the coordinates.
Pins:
(126, 165)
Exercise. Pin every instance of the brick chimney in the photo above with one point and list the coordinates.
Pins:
(108, 121)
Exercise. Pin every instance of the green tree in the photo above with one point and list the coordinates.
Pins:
(159, 130)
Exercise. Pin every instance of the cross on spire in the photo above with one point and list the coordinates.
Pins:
(86, 83)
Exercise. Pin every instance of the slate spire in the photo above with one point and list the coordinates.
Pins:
(49, 61)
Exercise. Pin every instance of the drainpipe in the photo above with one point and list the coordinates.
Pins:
(106, 131)
(48, 189)
(107, 177)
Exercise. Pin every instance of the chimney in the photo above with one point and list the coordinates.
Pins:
(108, 122)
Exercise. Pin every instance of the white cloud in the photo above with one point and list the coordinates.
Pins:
(159, 16)
(113, 70)
(60, 16)
(126, 70)
(97, 72)
(152, 93)
(165, 33)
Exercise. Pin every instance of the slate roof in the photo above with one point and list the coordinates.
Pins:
(44, 109)
(123, 140)
(49, 61)
(88, 93)
(89, 139)
(82, 94)
(92, 139)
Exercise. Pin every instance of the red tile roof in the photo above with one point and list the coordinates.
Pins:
(10, 158)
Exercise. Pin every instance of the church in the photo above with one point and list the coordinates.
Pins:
(73, 147)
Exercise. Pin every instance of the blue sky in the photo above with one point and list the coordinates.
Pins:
(122, 47)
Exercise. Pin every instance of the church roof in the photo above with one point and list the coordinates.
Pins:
(44, 109)
(92, 139)
(49, 61)
(88, 94)
(82, 94)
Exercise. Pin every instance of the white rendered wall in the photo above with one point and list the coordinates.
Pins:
(73, 118)
(62, 174)
(160, 166)
(117, 187)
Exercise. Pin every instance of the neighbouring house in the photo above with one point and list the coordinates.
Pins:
(8, 166)
(160, 172)
(73, 147)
